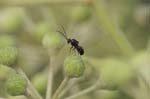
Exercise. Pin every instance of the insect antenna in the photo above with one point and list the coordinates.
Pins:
(63, 33)
(63, 30)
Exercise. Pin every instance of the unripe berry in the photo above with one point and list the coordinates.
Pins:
(53, 42)
(116, 73)
(16, 85)
(81, 14)
(39, 82)
(74, 66)
(42, 28)
(8, 55)
(10, 20)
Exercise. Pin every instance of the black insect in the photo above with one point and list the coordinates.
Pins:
(74, 43)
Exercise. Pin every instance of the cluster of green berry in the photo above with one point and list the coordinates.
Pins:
(15, 84)
(73, 65)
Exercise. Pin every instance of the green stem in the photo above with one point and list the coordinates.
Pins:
(106, 21)
(39, 2)
(30, 94)
(64, 91)
(86, 91)
(50, 78)
(60, 88)
(34, 94)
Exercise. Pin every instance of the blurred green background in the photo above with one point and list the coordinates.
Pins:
(115, 35)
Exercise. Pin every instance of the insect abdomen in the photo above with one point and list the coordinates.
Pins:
(80, 50)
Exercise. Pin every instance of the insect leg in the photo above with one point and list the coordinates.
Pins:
(75, 50)
(71, 48)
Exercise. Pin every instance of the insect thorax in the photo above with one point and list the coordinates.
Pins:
(69, 41)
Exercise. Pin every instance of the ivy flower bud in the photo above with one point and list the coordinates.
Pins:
(8, 55)
(116, 73)
(16, 85)
(81, 14)
(53, 42)
(74, 66)
(10, 20)
(40, 86)
(42, 29)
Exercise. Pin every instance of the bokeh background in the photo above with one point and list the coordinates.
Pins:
(115, 35)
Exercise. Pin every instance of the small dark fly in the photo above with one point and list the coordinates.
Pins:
(73, 42)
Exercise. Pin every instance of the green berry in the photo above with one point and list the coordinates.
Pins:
(53, 42)
(5, 71)
(74, 66)
(42, 29)
(39, 82)
(81, 13)
(8, 55)
(10, 20)
(6, 41)
(16, 85)
(116, 73)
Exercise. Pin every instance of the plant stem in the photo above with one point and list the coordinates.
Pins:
(34, 94)
(86, 91)
(30, 94)
(71, 83)
(106, 21)
(39, 2)
(60, 88)
(50, 78)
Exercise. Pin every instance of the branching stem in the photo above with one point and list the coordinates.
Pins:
(86, 91)
(34, 94)
(60, 88)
